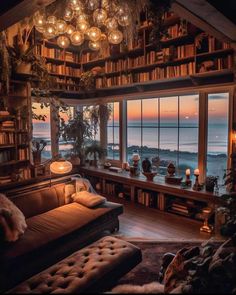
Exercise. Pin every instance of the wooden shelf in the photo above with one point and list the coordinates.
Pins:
(12, 163)
(7, 146)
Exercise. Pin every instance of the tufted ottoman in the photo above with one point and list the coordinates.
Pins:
(92, 269)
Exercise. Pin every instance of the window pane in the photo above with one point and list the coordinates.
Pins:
(134, 113)
(116, 114)
(65, 147)
(133, 140)
(217, 134)
(169, 111)
(188, 110)
(111, 118)
(150, 112)
(42, 129)
(188, 149)
(150, 143)
(168, 147)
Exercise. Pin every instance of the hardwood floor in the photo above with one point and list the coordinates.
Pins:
(146, 223)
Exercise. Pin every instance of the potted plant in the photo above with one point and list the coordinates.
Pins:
(78, 132)
(37, 148)
(96, 151)
(210, 183)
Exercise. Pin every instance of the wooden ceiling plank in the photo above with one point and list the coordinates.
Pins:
(20, 11)
(209, 17)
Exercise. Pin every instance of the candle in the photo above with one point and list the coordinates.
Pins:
(196, 172)
(187, 172)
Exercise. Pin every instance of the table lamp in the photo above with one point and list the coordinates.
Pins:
(60, 166)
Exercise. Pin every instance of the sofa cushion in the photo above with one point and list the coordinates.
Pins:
(88, 199)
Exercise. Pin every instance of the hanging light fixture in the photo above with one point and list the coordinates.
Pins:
(90, 21)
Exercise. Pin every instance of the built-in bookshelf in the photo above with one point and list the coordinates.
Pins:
(186, 51)
(15, 135)
(157, 194)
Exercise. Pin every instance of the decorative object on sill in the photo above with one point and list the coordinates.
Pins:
(96, 151)
(210, 183)
(149, 175)
(196, 186)
(107, 165)
(37, 148)
(135, 171)
(187, 177)
(125, 166)
(170, 177)
(147, 165)
(207, 228)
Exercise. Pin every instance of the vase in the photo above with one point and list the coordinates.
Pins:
(147, 165)
(36, 157)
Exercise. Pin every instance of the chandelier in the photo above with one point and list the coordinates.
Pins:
(91, 21)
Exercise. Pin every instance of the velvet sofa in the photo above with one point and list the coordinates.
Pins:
(55, 230)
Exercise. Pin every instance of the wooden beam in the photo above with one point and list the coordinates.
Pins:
(205, 16)
(20, 11)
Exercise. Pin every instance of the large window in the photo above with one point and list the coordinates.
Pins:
(113, 132)
(42, 127)
(217, 145)
(165, 130)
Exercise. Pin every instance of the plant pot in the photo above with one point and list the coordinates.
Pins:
(23, 68)
(210, 188)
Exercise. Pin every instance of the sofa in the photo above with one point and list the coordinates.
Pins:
(56, 229)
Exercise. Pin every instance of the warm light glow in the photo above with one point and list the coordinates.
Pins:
(77, 38)
(83, 26)
(94, 45)
(94, 34)
(69, 14)
(124, 20)
(115, 37)
(61, 26)
(70, 29)
(111, 24)
(61, 167)
(187, 172)
(39, 22)
(50, 31)
(51, 20)
(100, 16)
(196, 172)
(63, 42)
(93, 4)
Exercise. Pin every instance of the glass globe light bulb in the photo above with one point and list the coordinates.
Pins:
(94, 45)
(115, 37)
(70, 29)
(52, 19)
(73, 3)
(124, 19)
(94, 34)
(61, 26)
(77, 38)
(99, 16)
(93, 4)
(69, 14)
(50, 31)
(82, 26)
(39, 22)
(82, 18)
(111, 24)
(63, 41)
(78, 9)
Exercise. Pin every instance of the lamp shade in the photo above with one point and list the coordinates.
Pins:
(61, 167)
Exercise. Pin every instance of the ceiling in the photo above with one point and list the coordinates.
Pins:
(8, 4)
(227, 8)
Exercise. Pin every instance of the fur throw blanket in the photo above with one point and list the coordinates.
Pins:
(12, 220)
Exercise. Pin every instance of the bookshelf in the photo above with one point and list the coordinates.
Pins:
(15, 135)
(158, 195)
(140, 61)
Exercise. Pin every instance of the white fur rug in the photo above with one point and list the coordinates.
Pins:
(12, 220)
(151, 288)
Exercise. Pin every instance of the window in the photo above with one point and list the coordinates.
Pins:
(113, 132)
(65, 147)
(42, 128)
(165, 130)
(217, 144)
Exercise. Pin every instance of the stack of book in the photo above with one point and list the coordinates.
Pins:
(8, 125)
(5, 179)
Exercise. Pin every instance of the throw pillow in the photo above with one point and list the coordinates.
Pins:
(88, 199)
(69, 190)
(12, 220)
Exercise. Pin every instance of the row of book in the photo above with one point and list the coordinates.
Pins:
(63, 70)
(7, 138)
(216, 64)
(22, 138)
(148, 199)
(214, 44)
(176, 30)
(49, 52)
(23, 154)
(6, 155)
(7, 125)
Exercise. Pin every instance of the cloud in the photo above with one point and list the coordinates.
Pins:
(218, 96)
